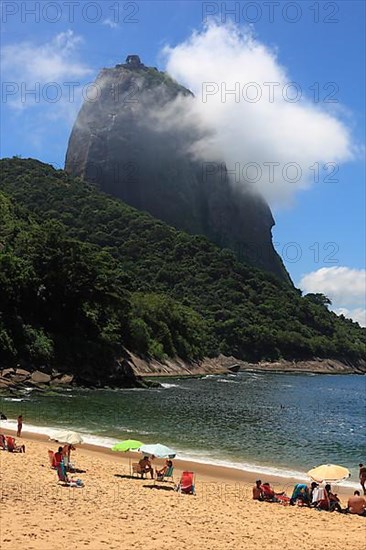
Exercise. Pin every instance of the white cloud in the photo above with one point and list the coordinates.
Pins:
(256, 132)
(43, 82)
(357, 314)
(346, 287)
(52, 61)
(110, 23)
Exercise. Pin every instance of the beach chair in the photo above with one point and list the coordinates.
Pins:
(51, 458)
(167, 475)
(136, 469)
(186, 484)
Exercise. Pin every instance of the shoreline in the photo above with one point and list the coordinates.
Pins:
(147, 372)
(205, 470)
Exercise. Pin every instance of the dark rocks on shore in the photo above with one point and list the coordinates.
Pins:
(21, 377)
(42, 378)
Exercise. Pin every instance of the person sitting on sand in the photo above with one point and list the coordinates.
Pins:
(268, 493)
(330, 501)
(313, 493)
(356, 505)
(3, 442)
(318, 496)
(63, 477)
(334, 502)
(257, 490)
(363, 477)
(300, 495)
(146, 467)
(13, 447)
(161, 473)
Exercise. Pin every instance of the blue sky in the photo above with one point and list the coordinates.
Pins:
(326, 221)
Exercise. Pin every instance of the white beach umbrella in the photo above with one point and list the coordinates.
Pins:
(72, 438)
(328, 473)
(158, 450)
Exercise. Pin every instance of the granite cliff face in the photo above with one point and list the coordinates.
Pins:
(126, 140)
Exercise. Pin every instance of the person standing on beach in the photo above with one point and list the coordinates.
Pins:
(20, 425)
(363, 477)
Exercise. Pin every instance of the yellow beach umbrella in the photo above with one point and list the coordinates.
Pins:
(329, 472)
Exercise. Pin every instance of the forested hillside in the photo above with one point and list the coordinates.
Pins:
(83, 275)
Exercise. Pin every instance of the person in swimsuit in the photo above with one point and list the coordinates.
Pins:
(257, 490)
(363, 477)
(20, 425)
(160, 473)
(356, 504)
(13, 447)
(58, 457)
(146, 467)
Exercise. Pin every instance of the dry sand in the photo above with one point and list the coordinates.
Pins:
(114, 511)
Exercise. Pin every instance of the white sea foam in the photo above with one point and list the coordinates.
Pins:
(13, 399)
(200, 457)
(167, 386)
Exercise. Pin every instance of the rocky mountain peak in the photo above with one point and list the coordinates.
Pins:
(128, 142)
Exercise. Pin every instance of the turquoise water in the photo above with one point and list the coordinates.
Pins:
(271, 422)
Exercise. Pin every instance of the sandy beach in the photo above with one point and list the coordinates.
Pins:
(114, 511)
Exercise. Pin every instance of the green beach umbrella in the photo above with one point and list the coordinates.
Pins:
(127, 445)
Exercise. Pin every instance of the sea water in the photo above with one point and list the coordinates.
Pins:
(282, 424)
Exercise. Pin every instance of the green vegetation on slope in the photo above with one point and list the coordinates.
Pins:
(83, 274)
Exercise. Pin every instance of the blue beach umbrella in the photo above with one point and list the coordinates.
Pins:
(158, 450)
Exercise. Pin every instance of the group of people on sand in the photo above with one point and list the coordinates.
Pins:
(315, 496)
(145, 467)
(7, 442)
(63, 454)
(62, 463)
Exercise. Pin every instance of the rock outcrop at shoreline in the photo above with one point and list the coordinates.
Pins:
(22, 377)
(222, 365)
(19, 378)
(137, 368)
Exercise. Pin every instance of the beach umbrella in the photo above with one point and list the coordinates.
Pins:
(72, 438)
(127, 445)
(158, 450)
(329, 473)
